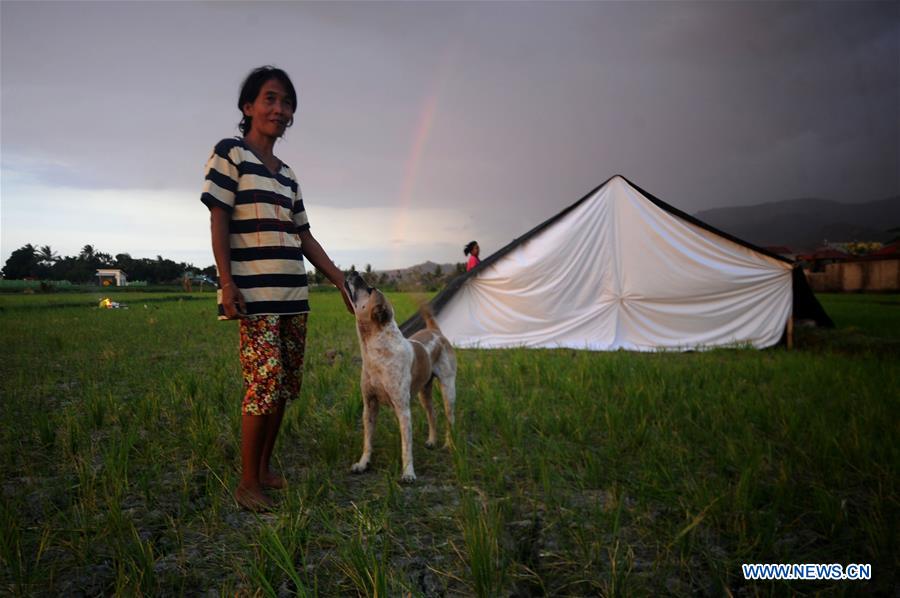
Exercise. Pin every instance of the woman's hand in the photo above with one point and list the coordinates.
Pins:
(233, 302)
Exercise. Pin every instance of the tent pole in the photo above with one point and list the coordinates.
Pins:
(790, 330)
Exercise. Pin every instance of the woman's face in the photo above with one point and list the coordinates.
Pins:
(475, 250)
(271, 111)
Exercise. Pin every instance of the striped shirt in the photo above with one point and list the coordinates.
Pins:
(266, 216)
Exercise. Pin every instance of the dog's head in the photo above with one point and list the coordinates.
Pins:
(372, 308)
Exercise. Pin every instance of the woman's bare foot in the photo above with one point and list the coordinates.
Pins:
(253, 499)
(272, 480)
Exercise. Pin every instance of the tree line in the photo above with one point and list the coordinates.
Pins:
(412, 279)
(42, 263)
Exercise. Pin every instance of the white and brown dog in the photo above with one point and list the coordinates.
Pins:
(395, 368)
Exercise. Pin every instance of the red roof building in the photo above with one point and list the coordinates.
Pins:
(888, 250)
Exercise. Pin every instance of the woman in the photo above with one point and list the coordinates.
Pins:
(472, 250)
(260, 234)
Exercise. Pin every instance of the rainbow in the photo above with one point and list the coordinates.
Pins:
(422, 131)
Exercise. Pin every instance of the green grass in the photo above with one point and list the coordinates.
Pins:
(574, 473)
(128, 299)
(876, 314)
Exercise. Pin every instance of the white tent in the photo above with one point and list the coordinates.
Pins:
(620, 269)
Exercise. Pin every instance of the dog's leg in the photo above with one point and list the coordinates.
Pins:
(448, 394)
(370, 412)
(425, 399)
(404, 421)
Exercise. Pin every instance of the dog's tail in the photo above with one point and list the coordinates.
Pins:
(428, 317)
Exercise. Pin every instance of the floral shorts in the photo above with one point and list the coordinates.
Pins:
(272, 349)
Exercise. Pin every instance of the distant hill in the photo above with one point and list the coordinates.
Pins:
(417, 271)
(804, 224)
(424, 276)
(428, 267)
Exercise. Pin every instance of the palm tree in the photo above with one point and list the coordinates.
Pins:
(87, 253)
(47, 256)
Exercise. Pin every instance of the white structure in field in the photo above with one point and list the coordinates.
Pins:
(111, 277)
(620, 269)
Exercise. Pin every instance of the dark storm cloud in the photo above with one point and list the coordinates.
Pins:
(533, 104)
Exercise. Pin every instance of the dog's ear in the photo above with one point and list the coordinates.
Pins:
(381, 310)
(381, 313)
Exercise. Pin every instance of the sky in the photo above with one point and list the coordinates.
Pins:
(424, 125)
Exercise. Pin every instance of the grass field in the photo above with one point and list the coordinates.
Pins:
(575, 473)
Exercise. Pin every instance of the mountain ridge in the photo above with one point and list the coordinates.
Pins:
(807, 223)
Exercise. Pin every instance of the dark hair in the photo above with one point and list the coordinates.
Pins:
(469, 247)
(250, 91)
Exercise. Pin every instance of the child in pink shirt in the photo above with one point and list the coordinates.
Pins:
(472, 251)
